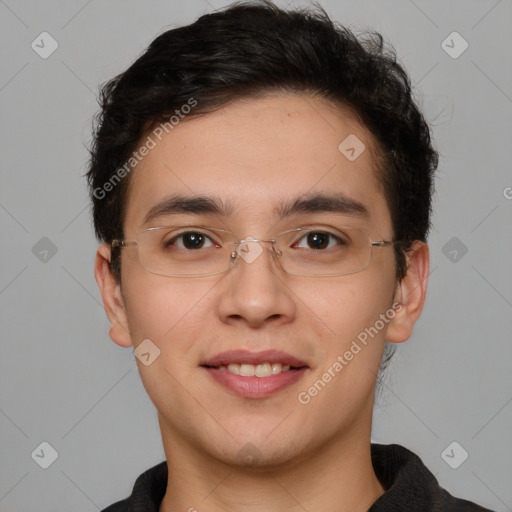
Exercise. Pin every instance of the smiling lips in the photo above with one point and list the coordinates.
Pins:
(255, 375)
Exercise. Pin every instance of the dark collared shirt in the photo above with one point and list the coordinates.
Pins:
(410, 486)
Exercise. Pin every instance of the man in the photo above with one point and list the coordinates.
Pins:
(261, 182)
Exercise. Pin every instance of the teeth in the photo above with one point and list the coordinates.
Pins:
(263, 370)
(260, 370)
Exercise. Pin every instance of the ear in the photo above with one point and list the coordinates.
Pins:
(110, 289)
(410, 294)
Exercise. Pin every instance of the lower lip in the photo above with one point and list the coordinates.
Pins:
(255, 387)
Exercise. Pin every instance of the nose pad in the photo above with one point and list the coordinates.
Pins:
(249, 249)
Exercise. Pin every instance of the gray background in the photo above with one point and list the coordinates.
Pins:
(64, 382)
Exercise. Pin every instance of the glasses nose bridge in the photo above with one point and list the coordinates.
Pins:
(250, 248)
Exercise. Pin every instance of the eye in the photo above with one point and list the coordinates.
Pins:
(319, 240)
(190, 240)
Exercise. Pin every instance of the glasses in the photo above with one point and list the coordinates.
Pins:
(189, 251)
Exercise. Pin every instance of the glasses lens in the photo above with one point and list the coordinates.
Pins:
(325, 252)
(184, 251)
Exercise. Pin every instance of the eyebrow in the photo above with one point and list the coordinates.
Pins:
(210, 205)
(175, 204)
(320, 203)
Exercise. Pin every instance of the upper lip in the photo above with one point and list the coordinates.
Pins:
(254, 358)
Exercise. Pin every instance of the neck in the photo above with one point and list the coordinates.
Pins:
(338, 476)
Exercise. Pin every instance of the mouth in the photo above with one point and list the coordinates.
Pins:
(255, 375)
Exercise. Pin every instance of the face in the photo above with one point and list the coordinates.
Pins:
(254, 157)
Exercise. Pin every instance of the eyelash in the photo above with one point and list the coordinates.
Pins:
(181, 235)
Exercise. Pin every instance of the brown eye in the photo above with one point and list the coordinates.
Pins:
(318, 240)
(190, 240)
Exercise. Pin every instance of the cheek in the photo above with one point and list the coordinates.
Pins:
(163, 308)
(171, 313)
(343, 382)
(347, 305)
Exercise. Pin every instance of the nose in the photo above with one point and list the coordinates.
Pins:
(254, 291)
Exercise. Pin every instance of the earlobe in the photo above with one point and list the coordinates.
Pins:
(113, 302)
(410, 294)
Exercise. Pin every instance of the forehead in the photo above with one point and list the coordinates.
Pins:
(258, 155)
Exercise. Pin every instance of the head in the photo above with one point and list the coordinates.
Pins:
(248, 108)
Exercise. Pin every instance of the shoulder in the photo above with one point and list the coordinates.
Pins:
(410, 486)
(147, 494)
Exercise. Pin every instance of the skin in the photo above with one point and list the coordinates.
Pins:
(258, 153)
